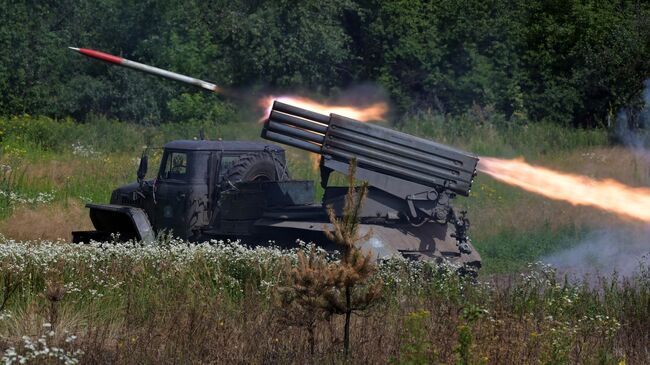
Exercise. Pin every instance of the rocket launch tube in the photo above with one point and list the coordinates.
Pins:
(146, 68)
(395, 158)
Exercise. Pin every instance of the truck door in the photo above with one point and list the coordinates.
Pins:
(182, 193)
(220, 164)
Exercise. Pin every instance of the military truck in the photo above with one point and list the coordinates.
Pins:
(242, 190)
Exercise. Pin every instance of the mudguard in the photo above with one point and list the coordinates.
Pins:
(128, 223)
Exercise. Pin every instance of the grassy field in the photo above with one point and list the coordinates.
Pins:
(52, 174)
(174, 303)
(178, 303)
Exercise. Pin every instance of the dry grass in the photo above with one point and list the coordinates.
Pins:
(60, 174)
(55, 172)
(622, 164)
(493, 207)
(174, 315)
(50, 222)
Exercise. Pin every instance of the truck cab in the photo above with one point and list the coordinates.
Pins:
(184, 197)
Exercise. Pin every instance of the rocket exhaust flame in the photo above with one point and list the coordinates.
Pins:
(376, 111)
(608, 195)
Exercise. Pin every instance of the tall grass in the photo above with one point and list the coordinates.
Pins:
(179, 303)
(84, 162)
(37, 136)
(87, 160)
(491, 135)
(482, 134)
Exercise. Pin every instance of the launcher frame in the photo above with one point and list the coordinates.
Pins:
(423, 174)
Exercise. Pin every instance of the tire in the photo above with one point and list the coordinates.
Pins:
(254, 167)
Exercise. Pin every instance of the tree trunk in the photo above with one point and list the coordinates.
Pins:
(54, 314)
(312, 340)
(348, 312)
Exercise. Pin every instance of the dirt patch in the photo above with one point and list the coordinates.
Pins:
(49, 222)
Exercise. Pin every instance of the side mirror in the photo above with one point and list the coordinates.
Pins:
(142, 169)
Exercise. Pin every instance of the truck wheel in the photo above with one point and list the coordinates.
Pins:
(254, 167)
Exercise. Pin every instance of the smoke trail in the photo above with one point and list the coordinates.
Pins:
(633, 125)
(604, 252)
(620, 250)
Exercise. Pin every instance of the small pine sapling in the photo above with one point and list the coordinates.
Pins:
(352, 288)
(302, 303)
(318, 288)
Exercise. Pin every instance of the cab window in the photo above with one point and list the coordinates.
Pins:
(175, 166)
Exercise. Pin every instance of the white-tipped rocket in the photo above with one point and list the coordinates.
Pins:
(146, 68)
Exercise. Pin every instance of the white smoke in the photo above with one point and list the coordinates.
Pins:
(605, 252)
(360, 94)
(624, 249)
(633, 125)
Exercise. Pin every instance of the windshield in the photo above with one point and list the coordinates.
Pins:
(175, 166)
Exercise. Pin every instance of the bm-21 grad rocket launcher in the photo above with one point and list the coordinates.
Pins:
(239, 189)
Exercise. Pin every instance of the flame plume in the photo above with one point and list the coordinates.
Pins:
(376, 111)
(608, 195)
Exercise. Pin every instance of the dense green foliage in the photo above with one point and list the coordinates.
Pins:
(561, 61)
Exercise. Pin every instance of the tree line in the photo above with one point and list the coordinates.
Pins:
(566, 61)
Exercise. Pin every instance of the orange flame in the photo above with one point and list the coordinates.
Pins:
(376, 111)
(608, 195)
